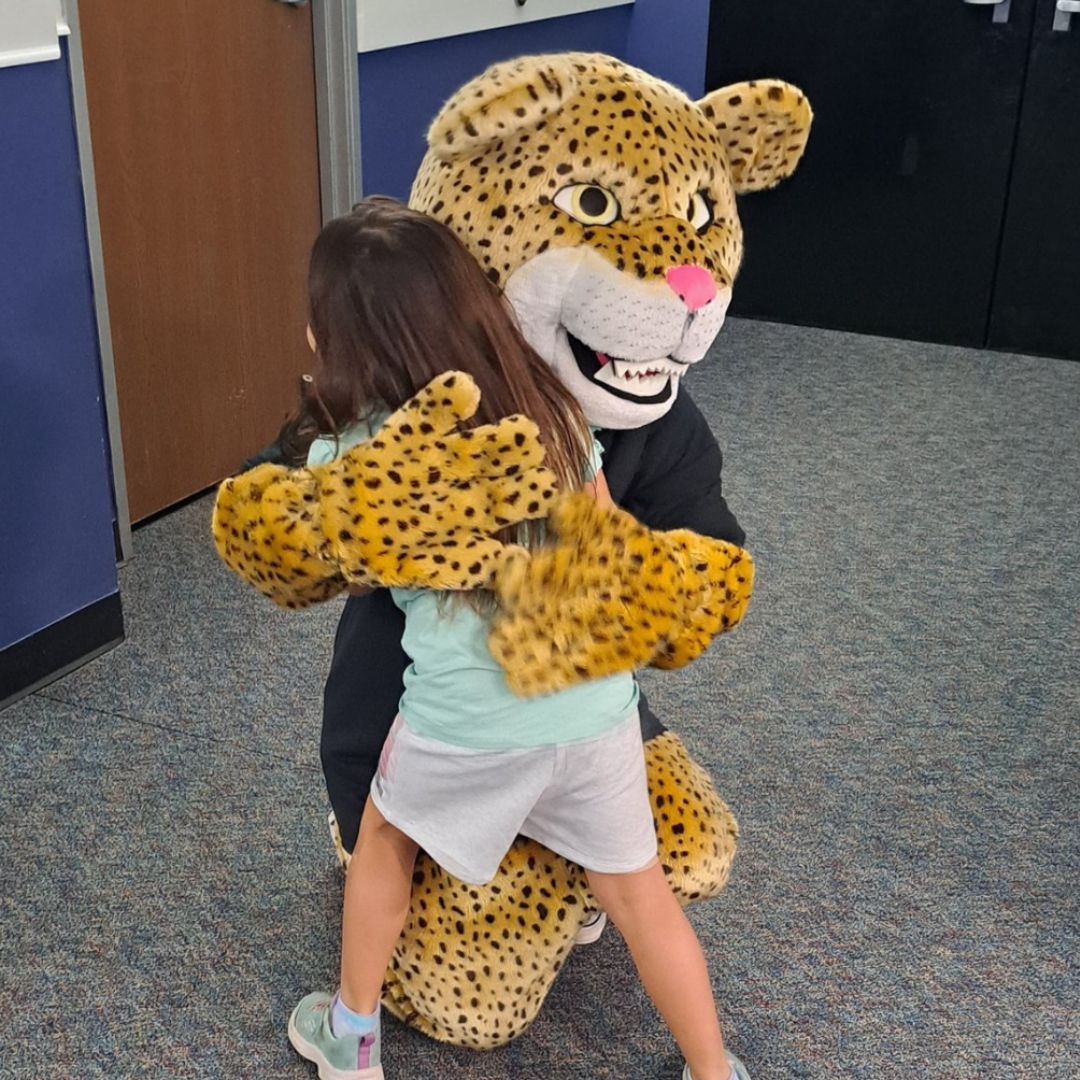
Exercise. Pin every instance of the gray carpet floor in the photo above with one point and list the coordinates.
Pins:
(895, 725)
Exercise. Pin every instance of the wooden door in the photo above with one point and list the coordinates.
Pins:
(892, 222)
(1037, 298)
(203, 120)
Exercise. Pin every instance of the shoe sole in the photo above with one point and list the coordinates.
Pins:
(591, 933)
(738, 1069)
(326, 1070)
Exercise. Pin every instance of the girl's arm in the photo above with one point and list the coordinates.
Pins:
(598, 489)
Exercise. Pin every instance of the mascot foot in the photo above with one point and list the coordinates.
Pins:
(591, 928)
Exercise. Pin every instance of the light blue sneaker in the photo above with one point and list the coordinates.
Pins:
(738, 1069)
(354, 1057)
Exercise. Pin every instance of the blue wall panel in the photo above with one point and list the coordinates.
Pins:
(56, 536)
(402, 89)
(670, 41)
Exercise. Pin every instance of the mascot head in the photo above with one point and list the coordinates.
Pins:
(603, 201)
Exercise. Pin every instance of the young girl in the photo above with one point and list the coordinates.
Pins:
(395, 300)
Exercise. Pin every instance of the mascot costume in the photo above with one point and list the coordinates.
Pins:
(602, 200)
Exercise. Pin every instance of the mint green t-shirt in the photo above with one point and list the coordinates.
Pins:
(455, 692)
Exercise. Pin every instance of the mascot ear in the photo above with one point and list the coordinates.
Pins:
(764, 126)
(505, 98)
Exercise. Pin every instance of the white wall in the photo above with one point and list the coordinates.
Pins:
(383, 24)
(30, 31)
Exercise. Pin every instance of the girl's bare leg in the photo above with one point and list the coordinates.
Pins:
(669, 961)
(377, 889)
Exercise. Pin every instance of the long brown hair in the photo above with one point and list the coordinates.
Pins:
(395, 300)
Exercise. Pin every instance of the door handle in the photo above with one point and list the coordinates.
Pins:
(293, 3)
(1002, 8)
(1064, 12)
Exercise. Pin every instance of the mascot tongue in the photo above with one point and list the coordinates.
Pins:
(603, 358)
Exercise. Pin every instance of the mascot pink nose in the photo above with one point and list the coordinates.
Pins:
(694, 285)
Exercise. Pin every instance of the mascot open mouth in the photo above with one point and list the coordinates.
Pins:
(647, 382)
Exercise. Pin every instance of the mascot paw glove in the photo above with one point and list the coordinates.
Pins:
(722, 581)
(415, 506)
(611, 596)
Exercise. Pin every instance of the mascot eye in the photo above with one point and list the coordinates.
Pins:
(588, 203)
(700, 212)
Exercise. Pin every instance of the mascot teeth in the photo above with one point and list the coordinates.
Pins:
(642, 378)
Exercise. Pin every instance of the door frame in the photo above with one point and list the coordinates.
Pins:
(337, 108)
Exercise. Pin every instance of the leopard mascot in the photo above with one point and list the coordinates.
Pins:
(603, 201)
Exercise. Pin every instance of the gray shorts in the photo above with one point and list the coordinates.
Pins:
(587, 801)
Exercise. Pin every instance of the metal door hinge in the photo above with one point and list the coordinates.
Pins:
(1002, 8)
(1064, 12)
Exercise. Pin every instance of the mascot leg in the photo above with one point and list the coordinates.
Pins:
(475, 964)
(696, 831)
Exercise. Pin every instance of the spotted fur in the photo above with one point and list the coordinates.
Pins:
(414, 506)
(508, 142)
(611, 596)
(722, 585)
(589, 190)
